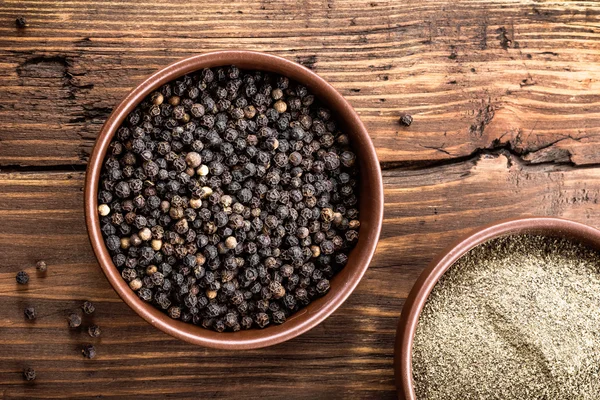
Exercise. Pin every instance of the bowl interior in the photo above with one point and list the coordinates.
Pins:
(370, 205)
(417, 298)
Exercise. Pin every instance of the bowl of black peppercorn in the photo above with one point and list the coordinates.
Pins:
(234, 199)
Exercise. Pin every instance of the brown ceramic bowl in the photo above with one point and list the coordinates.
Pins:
(371, 203)
(430, 276)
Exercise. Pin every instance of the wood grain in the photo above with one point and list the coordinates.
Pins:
(347, 356)
(505, 98)
(476, 74)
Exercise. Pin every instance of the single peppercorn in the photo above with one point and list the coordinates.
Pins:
(193, 159)
(322, 286)
(406, 120)
(88, 307)
(145, 234)
(30, 313)
(156, 98)
(354, 224)
(103, 210)
(41, 266)
(315, 250)
(280, 106)
(351, 235)
(262, 320)
(29, 374)
(135, 284)
(279, 317)
(156, 244)
(348, 159)
(21, 22)
(122, 190)
(327, 247)
(94, 331)
(22, 277)
(89, 351)
(74, 320)
(230, 242)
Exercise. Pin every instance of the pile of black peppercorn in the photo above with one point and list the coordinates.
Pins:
(228, 199)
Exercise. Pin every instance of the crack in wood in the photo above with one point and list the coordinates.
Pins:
(7, 169)
(43, 67)
(307, 61)
(524, 157)
(437, 148)
(52, 67)
(92, 114)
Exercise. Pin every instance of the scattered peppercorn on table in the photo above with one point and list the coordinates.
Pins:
(478, 110)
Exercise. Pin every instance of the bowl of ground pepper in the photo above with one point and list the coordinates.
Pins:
(223, 199)
(507, 311)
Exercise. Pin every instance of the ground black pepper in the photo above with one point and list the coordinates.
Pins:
(514, 318)
(228, 199)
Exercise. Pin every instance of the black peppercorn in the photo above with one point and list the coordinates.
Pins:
(94, 331)
(89, 351)
(322, 286)
(278, 317)
(22, 277)
(30, 313)
(74, 320)
(262, 319)
(88, 307)
(327, 247)
(29, 374)
(175, 312)
(406, 120)
(21, 23)
(351, 236)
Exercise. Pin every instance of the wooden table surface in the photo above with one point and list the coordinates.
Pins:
(505, 97)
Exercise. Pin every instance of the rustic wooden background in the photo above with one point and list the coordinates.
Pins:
(506, 103)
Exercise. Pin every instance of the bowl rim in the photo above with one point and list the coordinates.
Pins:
(423, 286)
(301, 321)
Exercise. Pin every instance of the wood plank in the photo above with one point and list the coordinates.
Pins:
(517, 77)
(476, 74)
(348, 356)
